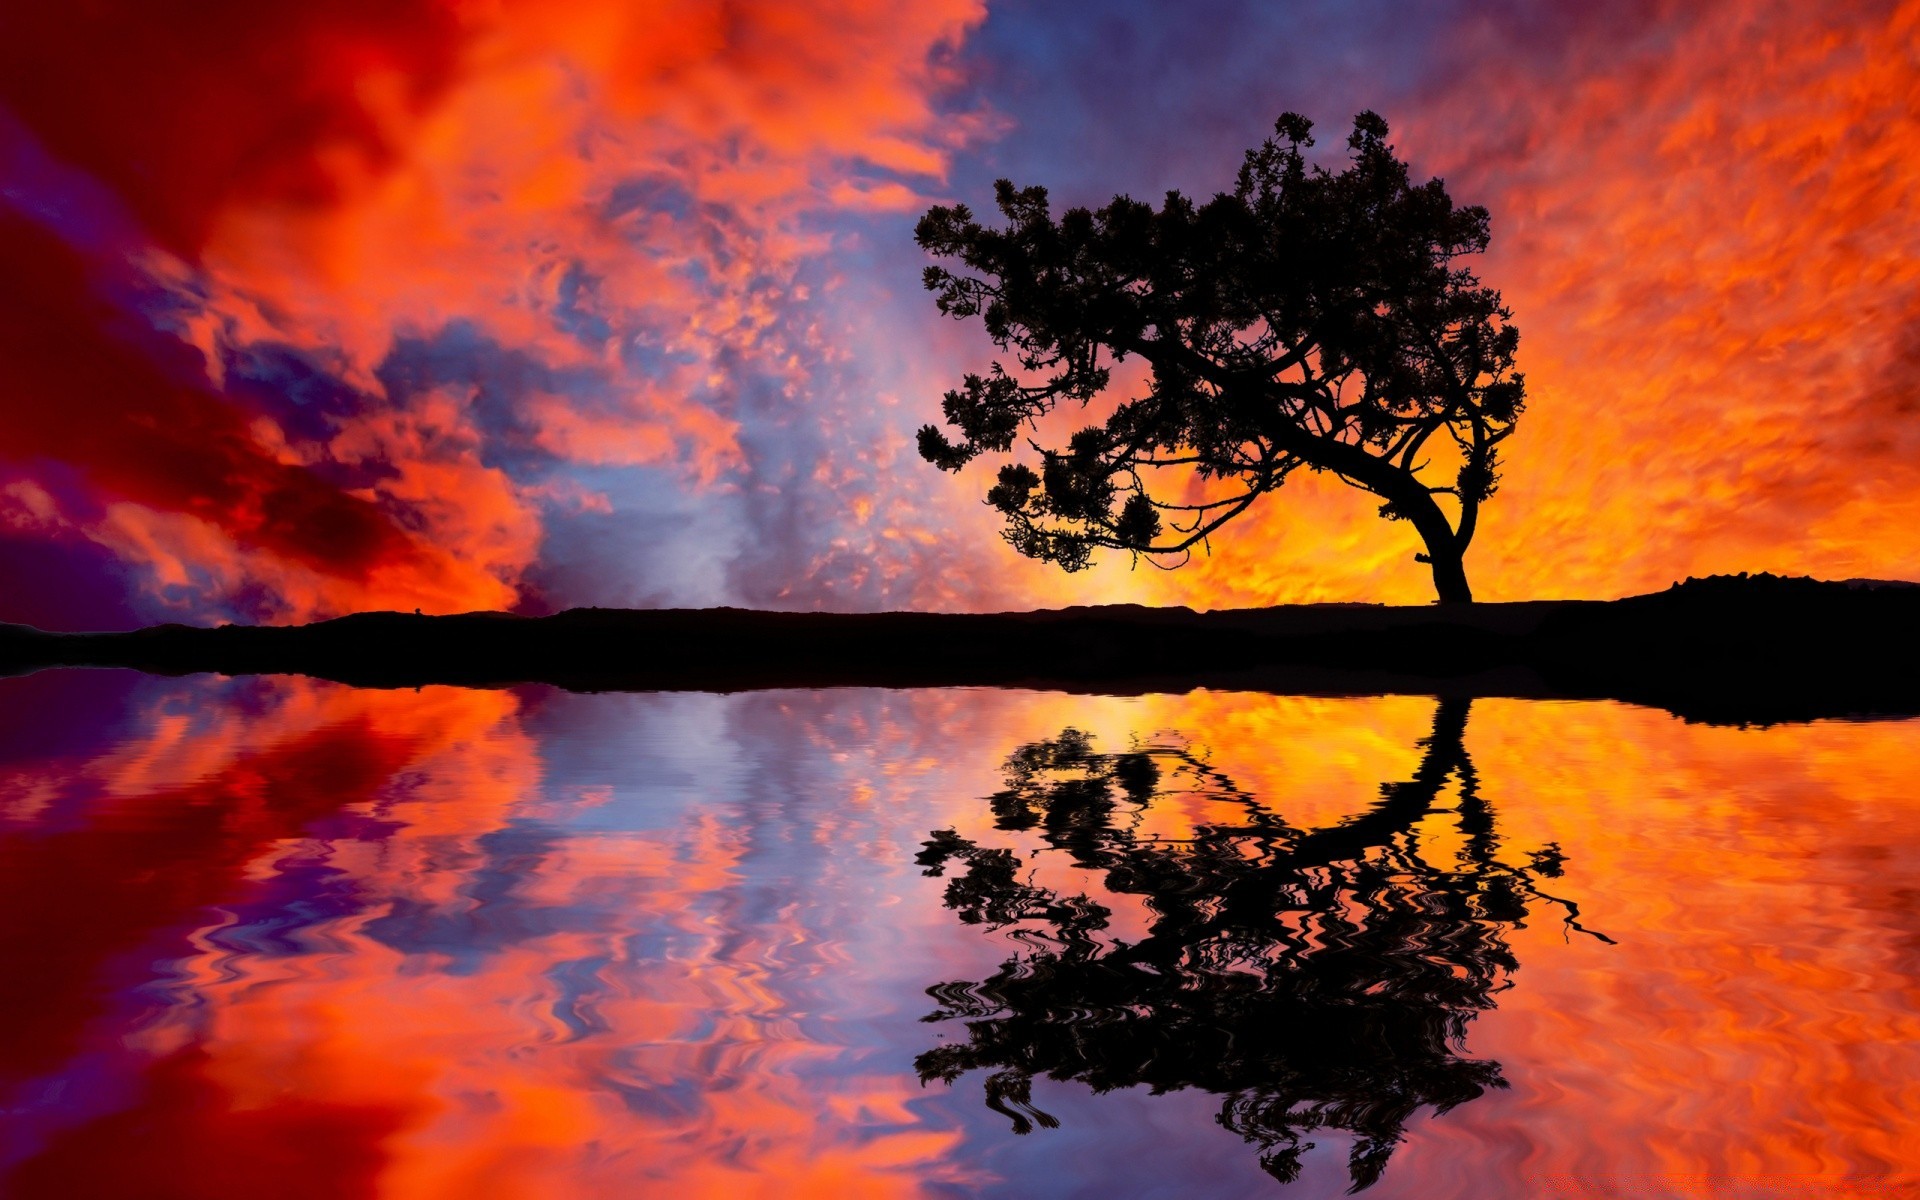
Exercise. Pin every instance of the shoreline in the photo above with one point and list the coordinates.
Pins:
(1730, 649)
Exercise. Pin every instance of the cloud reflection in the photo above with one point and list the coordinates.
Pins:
(522, 943)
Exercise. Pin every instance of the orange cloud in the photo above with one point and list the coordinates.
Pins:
(1709, 248)
(617, 192)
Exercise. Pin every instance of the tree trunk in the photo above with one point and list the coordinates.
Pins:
(1446, 549)
(1450, 575)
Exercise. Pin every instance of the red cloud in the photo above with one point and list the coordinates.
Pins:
(141, 431)
(189, 107)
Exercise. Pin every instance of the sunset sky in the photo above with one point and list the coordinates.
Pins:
(527, 304)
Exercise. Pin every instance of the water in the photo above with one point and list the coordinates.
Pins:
(274, 937)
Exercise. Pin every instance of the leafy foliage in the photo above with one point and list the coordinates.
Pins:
(1305, 319)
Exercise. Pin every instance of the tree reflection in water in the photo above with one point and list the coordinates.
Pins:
(1315, 979)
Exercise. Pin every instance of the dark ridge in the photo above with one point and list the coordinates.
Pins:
(1728, 649)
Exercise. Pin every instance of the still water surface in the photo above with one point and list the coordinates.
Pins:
(283, 938)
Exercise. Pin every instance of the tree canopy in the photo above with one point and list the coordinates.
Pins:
(1307, 318)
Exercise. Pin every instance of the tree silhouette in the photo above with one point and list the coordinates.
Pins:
(1314, 979)
(1306, 319)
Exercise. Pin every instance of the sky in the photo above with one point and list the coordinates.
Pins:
(499, 304)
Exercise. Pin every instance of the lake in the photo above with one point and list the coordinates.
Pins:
(275, 937)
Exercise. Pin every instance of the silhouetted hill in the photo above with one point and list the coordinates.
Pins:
(1734, 649)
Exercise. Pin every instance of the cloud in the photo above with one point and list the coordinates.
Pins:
(618, 197)
(1701, 218)
(1710, 247)
(142, 433)
(515, 304)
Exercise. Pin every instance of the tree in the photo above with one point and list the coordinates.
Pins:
(1306, 319)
